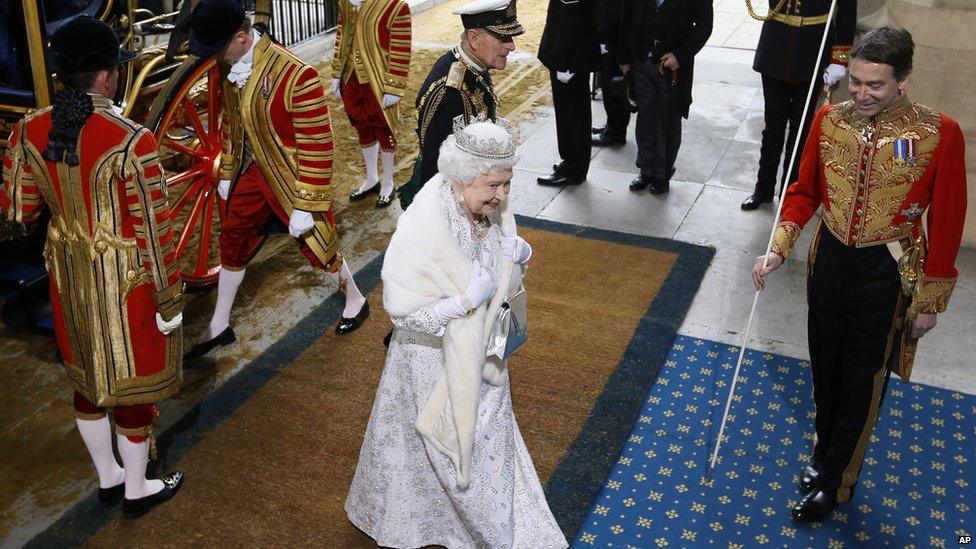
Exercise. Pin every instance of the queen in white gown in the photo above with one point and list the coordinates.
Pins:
(443, 461)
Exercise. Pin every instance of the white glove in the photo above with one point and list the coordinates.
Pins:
(336, 84)
(356, 3)
(166, 327)
(833, 73)
(300, 222)
(603, 49)
(223, 188)
(480, 287)
(516, 247)
(389, 100)
(564, 77)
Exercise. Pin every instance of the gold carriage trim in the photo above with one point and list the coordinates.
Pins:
(934, 296)
(785, 237)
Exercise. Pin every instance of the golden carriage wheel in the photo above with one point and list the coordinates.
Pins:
(185, 118)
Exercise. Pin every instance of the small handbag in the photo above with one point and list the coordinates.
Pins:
(510, 330)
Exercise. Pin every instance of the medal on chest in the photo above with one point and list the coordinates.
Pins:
(905, 152)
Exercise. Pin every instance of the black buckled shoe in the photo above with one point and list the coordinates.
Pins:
(109, 497)
(606, 139)
(640, 183)
(558, 179)
(347, 325)
(384, 201)
(808, 477)
(814, 507)
(754, 201)
(561, 166)
(225, 337)
(359, 195)
(133, 508)
(598, 129)
(660, 185)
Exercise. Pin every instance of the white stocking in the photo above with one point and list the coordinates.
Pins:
(135, 457)
(354, 298)
(97, 435)
(227, 286)
(386, 186)
(369, 157)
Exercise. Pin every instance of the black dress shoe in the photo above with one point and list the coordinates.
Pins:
(808, 477)
(605, 139)
(598, 129)
(560, 167)
(384, 201)
(111, 496)
(754, 201)
(223, 338)
(640, 182)
(558, 180)
(359, 195)
(814, 507)
(659, 185)
(133, 508)
(347, 325)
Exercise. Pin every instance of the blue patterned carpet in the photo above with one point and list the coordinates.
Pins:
(916, 488)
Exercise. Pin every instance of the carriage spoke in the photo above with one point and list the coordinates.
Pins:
(191, 222)
(177, 147)
(194, 116)
(206, 228)
(195, 188)
(183, 177)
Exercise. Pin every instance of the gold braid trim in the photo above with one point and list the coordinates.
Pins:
(934, 296)
(785, 237)
(841, 54)
(89, 417)
(776, 9)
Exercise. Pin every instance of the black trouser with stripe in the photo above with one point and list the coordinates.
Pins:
(853, 298)
(574, 119)
(783, 104)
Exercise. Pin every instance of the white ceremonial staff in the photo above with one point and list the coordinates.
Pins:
(769, 244)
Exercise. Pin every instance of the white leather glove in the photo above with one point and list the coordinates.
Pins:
(516, 247)
(336, 85)
(603, 49)
(564, 77)
(166, 327)
(833, 73)
(389, 100)
(223, 188)
(356, 3)
(300, 222)
(480, 287)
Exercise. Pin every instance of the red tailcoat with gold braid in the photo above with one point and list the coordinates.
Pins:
(283, 115)
(373, 44)
(875, 177)
(110, 252)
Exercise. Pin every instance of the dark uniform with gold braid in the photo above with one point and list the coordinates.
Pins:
(786, 56)
(458, 84)
(875, 178)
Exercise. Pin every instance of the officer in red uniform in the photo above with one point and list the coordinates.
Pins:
(277, 160)
(116, 292)
(879, 276)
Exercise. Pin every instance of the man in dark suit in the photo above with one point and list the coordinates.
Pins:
(611, 79)
(786, 56)
(571, 51)
(658, 42)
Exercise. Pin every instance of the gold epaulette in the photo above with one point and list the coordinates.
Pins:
(455, 75)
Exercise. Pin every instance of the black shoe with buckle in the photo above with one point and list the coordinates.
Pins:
(814, 507)
(808, 477)
(384, 201)
(660, 185)
(359, 195)
(558, 179)
(640, 183)
(109, 497)
(560, 167)
(133, 508)
(347, 325)
(606, 139)
(754, 201)
(598, 129)
(225, 337)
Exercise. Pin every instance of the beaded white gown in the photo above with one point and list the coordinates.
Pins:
(404, 492)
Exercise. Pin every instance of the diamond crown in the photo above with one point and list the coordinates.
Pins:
(482, 146)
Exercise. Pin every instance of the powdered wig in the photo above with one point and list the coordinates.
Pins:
(485, 147)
